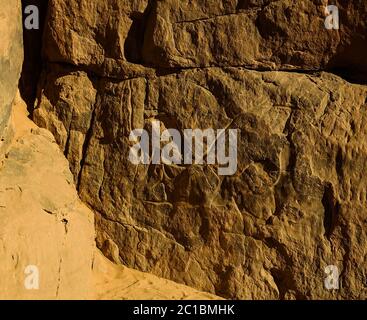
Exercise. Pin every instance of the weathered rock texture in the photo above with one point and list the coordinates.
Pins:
(282, 34)
(297, 202)
(115, 38)
(116, 282)
(11, 57)
(44, 223)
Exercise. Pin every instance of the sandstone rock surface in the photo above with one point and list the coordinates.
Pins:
(47, 237)
(297, 202)
(114, 282)
(257, 34)
(242, 236)
(118, 38)
(44, 224)
(11, 57)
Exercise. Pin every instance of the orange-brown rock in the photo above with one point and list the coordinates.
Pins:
(11, 57)
(118, 38)
(297, 201)
(250, 235)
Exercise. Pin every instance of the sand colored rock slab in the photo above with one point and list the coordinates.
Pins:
(11, 57)
(44, 224)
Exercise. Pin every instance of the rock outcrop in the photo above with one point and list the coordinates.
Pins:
(297, 202)
(284, 34)
(118, 38)
(47, 238)
(44, 224)
(240, 236)
(11, 58)
(46, 232)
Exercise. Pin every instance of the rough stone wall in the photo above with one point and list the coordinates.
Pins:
(43, 222)
(297, 202)
(11, 58)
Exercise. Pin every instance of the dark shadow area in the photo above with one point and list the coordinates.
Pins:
(135, 38)
(350, 61)
(352, 74)
(331, 210)
(32, 65)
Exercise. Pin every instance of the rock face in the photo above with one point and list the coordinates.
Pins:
(11, 57)
(297, 201)
(257, 34)
(116, 38)
(116, 282)
(44, 224)
(46, 232)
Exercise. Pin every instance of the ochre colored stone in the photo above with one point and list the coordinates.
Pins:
(270, 69)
